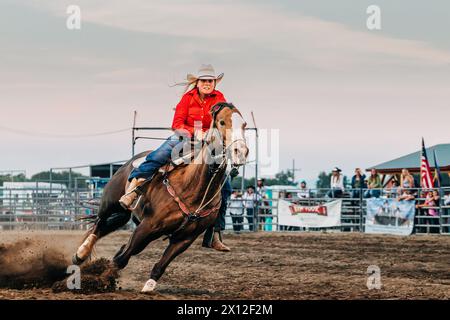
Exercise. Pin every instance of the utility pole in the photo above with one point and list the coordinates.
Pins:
(293, 170)
(133, 140)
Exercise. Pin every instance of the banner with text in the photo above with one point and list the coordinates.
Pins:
(321, 216)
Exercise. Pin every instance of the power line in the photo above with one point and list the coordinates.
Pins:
(61, 135)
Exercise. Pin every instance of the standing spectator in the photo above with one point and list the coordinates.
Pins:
(250, 198)
(336, 183)
(447, 200)
(262, 212)
(236, 211)
(431, 200)
(374, 185)
(358, 183)
(261, 188)
(304, 192)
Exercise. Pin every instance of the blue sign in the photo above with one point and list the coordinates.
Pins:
(390, 216)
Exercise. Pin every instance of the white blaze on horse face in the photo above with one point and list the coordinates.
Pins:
(238, 146)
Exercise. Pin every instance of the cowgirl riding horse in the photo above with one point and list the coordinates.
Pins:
(180, 204)
(192, 111)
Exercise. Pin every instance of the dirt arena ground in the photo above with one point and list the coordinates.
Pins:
(272, 266)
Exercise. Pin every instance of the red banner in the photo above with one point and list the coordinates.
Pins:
(320, 210)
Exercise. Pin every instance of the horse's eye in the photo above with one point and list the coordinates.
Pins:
(222, 123)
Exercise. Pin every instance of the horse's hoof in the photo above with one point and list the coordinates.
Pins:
(76, 260)
(150, 286)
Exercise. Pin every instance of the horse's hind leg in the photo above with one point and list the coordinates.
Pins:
(102, 227)
(174, 248)
(141, 237)
(111, 215)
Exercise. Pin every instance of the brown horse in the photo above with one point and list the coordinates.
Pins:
(169, 202)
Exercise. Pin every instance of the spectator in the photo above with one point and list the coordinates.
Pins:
(250, 198)
(304, 192)
(236, 211)
(374, 185)
(392, 190)
(262, 212)
(261, 188)
(406, 180)
(336, 183)
(406, 185)
(447, 200)
(358, 183)
(405, 195)
(431, 200)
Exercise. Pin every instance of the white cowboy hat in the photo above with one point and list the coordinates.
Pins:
(206, 71)
(336, 169)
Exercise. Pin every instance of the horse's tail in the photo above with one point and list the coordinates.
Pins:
(94, 205)
(93, 218)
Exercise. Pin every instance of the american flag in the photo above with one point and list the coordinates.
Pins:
(426, 179)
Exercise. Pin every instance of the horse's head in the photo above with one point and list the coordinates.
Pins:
(228, 122)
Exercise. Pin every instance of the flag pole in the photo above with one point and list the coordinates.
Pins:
(437, 170)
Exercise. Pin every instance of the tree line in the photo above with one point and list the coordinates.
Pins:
(281, 178)
(63, 177)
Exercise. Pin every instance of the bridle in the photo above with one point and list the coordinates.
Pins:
(208, 139)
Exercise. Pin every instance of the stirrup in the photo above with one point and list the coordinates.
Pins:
(132, 208)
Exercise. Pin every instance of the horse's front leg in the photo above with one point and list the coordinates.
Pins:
(175, 247)
(141, 237)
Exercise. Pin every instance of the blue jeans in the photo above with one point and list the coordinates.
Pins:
(225, 193)
(356, 193)
(372, 194)
(156, 159)
(334, 193)
(219, 224)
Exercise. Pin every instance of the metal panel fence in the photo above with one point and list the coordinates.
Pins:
(60, 209)
(44, 209)
(353, 214)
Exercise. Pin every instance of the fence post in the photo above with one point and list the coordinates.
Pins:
(361, 199)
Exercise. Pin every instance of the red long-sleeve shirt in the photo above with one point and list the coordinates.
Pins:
(190, 109)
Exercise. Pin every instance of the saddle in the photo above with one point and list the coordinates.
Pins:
(169, 167)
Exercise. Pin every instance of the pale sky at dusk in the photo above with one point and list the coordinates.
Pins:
(340, 94)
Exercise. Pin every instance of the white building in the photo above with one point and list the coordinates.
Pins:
(28, 193)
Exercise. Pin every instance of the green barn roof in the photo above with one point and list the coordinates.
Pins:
(412, 161)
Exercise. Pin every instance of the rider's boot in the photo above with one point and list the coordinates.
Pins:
(131, 193)
(217, 243)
